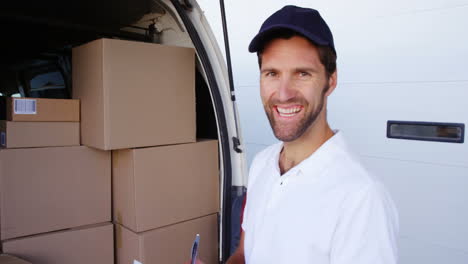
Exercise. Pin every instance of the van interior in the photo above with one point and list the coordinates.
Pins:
(38, 38)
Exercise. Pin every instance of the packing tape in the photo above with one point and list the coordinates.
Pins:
(118, 236)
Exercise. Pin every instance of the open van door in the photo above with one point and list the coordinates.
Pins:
(220, 81)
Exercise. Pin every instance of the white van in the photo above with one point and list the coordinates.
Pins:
(36, 44)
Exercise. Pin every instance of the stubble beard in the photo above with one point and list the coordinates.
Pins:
(290, 134)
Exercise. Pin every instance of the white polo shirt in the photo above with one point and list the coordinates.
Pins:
(326, 210)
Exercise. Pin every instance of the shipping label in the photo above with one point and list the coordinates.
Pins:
(25, 106)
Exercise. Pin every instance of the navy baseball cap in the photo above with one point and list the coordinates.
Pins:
(305, 21)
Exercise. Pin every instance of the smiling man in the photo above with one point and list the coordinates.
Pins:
(309, 200)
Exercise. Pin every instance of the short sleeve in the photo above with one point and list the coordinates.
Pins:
(245, 214)
(367, 230)
(252, 175)
(256, 169)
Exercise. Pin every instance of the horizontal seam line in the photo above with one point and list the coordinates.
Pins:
(419, 11)
(435, 244)
(417, 161)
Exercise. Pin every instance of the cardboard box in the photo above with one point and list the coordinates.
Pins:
(93, 245)
(170, 244)
(48, 189)
(39, 134)
(42, 110)
(8, 259)
(158, 186)
(134, 94)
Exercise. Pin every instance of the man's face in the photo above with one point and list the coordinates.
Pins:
(293, 86)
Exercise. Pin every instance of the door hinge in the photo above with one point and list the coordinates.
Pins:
(236, 143)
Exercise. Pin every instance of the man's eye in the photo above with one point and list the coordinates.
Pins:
(304, 74)
(270, 74)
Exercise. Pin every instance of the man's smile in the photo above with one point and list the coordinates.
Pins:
(288, 111)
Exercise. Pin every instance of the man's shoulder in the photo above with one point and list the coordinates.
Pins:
(266, 154)
(354, 179)
(265, 157)
(348, 168)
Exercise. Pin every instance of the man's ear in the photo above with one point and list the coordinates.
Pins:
(332, 81)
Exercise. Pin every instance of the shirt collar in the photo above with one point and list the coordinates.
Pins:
(317, 161)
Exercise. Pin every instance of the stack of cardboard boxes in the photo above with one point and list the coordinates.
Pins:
(30, 122)
(138, 100)
(137, 124)
(55, 204)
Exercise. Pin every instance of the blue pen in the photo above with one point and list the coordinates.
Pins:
(195, 248)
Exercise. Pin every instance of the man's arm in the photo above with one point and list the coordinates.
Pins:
(238, 256)
(368, 229)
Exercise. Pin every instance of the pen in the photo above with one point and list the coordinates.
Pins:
(194, 252)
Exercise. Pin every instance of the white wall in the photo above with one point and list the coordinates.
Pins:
(397, 60)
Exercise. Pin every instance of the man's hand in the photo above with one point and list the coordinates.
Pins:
(238, 256)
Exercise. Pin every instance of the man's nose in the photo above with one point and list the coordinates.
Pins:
(286, 90)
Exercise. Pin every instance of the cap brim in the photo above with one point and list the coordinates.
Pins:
(258, 41)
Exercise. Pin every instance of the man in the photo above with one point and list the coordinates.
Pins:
(309, 200)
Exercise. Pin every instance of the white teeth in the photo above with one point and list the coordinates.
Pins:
(288, 111)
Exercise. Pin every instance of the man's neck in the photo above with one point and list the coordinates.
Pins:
(296, 151)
